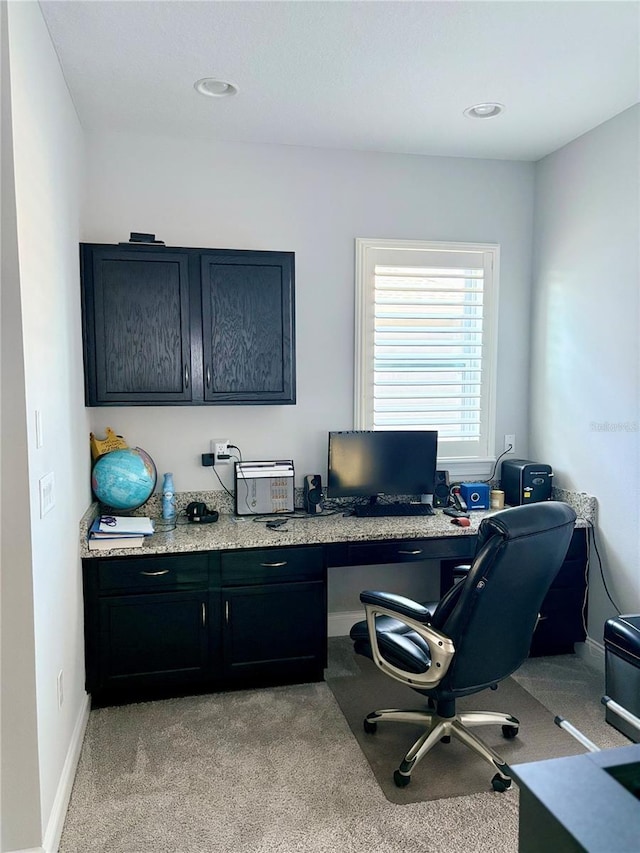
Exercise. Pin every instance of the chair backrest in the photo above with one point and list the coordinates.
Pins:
(491, 619)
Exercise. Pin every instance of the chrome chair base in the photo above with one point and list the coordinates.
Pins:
(439, 728)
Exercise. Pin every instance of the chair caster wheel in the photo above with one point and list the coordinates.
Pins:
(370, 727)
(509, 732)
(500, 783)
(400, 780)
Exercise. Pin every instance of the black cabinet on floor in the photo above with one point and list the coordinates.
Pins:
(186, 326)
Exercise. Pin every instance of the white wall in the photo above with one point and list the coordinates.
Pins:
(585, 361)
(48, 160)
(315, 203)
(19, 771)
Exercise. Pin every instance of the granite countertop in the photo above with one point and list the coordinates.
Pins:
(234, 532)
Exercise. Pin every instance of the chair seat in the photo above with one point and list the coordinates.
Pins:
(399, 644)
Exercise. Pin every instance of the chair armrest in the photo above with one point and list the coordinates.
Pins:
(398, 604)
(441, 647)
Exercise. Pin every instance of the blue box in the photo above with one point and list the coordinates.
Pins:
(475, 495)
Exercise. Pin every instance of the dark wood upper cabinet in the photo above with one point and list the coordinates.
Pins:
(247, 327)
(183, 326)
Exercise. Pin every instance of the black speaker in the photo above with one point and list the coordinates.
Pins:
(199, 513)
(441, 489)
(312, 493)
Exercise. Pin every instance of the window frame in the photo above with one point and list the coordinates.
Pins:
(368, 253)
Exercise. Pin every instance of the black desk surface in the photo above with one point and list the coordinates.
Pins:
(574, 804)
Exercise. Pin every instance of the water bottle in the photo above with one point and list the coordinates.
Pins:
(168, 498)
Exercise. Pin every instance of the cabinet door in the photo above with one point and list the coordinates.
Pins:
(275, 631)
(153, 640)
(136, 326)
(248, 327)
(563, 611)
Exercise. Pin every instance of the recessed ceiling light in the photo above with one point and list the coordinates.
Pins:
(215, 88)
(488, 110)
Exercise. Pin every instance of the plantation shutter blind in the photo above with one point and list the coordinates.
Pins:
(426, 359)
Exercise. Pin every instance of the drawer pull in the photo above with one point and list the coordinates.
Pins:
(155, 574)
(226, 611)
(186, 376)
(274, 565)
(208, 376)
(411, 553)
(204, 615)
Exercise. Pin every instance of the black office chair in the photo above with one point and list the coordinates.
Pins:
(475, 636)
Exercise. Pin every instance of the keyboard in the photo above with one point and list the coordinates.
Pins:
(388, 510)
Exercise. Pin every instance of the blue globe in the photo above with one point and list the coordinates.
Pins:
(124, 479)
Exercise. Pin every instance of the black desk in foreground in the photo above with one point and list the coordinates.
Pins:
(581, 803)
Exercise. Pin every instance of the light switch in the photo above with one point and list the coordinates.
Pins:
(47, 494)
(39, 433)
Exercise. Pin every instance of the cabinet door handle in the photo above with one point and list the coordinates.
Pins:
(155, 574)
(204, 615)
(186, 375)
(274, 565)
(411, 553)
(208, 374)
(226, 611)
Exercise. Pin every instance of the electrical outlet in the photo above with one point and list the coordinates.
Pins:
(220, 448)
(510, 443)
(60, 689)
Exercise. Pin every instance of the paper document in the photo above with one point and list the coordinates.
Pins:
(119, 524)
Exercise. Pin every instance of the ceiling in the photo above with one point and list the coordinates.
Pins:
(369, 76)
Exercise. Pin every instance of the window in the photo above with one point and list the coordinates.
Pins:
(426, 341)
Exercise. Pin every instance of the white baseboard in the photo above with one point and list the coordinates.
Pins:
(55, 825)
(339, 624)
(28, 850)
(592, 653)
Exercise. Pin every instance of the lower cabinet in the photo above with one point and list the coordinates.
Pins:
(148, 640)
(274, 629)
(274, 622)
(164, 625)
(562, 614)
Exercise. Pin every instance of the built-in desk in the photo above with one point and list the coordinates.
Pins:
(235, 603)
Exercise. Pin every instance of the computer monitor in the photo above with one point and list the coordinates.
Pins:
(367, 463)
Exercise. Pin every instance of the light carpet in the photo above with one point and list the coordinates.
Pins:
(279, 771)
(259, 771)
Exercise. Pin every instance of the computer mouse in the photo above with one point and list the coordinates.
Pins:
(461, 521)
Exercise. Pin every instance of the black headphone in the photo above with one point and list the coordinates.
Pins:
(198, 512)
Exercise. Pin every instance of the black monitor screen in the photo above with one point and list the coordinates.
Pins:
(396, 462)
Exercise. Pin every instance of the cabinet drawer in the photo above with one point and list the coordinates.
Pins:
(271, 565)
(149, 573)
(414, 549)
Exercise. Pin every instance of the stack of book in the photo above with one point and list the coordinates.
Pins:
(118, 531)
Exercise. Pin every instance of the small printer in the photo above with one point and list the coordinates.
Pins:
(525, 482)
(265, 487)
